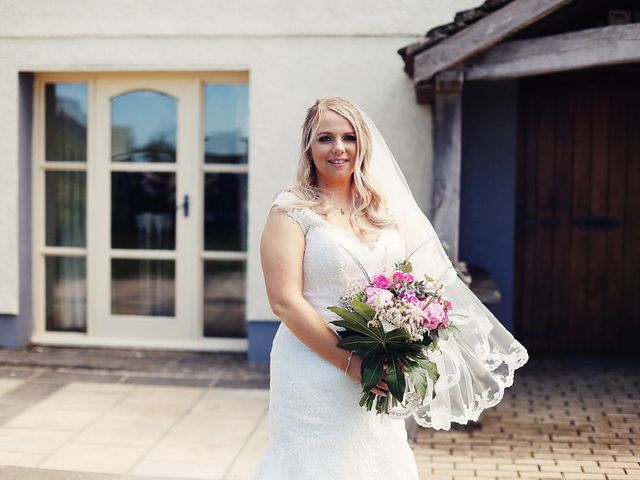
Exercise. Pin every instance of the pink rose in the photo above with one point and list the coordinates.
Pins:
(435, 315)
(403, 277)
(410, 298)
(381, 281)
(378, 297)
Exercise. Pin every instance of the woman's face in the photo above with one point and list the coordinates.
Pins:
(333, 150)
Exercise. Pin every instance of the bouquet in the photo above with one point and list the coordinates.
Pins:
(390, 321)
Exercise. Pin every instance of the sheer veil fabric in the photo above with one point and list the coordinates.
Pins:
(478, 359)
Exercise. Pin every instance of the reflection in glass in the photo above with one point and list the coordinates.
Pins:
(224, 298)
(225, 211)
(66, 294)
(143, 212)
(226, 123)
(65, 122)
(143, 127)
(143, 287)
(65, 204)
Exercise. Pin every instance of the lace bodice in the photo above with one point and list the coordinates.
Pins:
(328, 269)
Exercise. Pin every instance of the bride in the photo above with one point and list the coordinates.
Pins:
(351, 200)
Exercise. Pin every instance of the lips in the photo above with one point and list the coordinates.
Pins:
(338, 161)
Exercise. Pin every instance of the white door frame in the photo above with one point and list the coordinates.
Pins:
(103, 329)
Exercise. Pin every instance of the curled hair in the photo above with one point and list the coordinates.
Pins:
(367, 200)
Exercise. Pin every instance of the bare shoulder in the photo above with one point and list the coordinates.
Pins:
(281, 232)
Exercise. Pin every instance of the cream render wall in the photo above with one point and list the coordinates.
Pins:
(294, 51)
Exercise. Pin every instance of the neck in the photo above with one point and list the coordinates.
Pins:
(339, 195)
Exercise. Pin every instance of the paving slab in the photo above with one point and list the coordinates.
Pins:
(200, 416)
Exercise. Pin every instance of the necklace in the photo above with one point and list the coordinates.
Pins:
(342, 211)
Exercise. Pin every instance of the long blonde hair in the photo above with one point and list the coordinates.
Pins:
(367, 200)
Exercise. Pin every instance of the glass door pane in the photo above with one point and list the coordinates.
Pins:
(143, 203)
(143, 127)
(143, 287)
(143, 210)
(64, 238)
(226, 142)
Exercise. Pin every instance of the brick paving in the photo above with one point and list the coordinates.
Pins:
(562, 419)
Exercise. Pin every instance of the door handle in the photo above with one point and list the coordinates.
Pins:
(184, 205)
(597, 223)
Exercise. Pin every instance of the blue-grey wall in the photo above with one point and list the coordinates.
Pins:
(15, 330)
(260, 337)
(488, 185)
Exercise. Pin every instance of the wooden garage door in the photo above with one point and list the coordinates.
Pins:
(578, 236)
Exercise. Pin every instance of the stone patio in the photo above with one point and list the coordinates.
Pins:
(99, 414)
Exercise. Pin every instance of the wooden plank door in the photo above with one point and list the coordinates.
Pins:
(578, 234)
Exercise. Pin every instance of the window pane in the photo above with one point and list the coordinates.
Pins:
(143, 127)
(143, 287)
(66, 294)
(65, 122)
(143, 212)
(224, 299)
(65, 209)
(225, 211)
(226, 137)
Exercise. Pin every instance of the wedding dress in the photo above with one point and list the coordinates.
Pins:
(317, 430)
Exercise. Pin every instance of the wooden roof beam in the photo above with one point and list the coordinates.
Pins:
(481, 35)
(568, 51)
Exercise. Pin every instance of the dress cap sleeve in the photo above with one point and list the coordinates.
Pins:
(289, 203)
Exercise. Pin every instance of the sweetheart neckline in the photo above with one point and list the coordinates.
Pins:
(352, 233)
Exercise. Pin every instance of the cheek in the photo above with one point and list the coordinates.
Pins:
(319, 150)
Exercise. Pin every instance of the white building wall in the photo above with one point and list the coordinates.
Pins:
(295, 51)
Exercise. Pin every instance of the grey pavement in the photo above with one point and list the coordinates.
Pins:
(107, 414)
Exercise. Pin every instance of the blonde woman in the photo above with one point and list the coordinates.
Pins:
(351, 200)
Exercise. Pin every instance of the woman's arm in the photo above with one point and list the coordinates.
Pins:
(281, 253)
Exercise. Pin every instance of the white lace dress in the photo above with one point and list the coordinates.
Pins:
(317, 429)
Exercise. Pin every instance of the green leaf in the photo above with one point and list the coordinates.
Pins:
(370, 401)
(355, 321)
(361, 329)
(357, 342)
(372, 370)
(395, 378)
(398, 336)
(430, 367)
(426, 340)
(364, 310)
(347, 315)
(404, 266)
(420, 383)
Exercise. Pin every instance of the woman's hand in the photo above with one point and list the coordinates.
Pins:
(353, 372)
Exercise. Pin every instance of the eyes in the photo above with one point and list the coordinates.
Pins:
(329, 138)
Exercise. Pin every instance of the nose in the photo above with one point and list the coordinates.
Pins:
(338, 146)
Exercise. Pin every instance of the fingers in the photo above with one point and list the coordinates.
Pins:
(381, 388)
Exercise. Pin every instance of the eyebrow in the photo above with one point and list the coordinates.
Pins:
(331, 133)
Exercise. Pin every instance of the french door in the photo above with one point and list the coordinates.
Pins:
(143, 221)
(140, 210)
